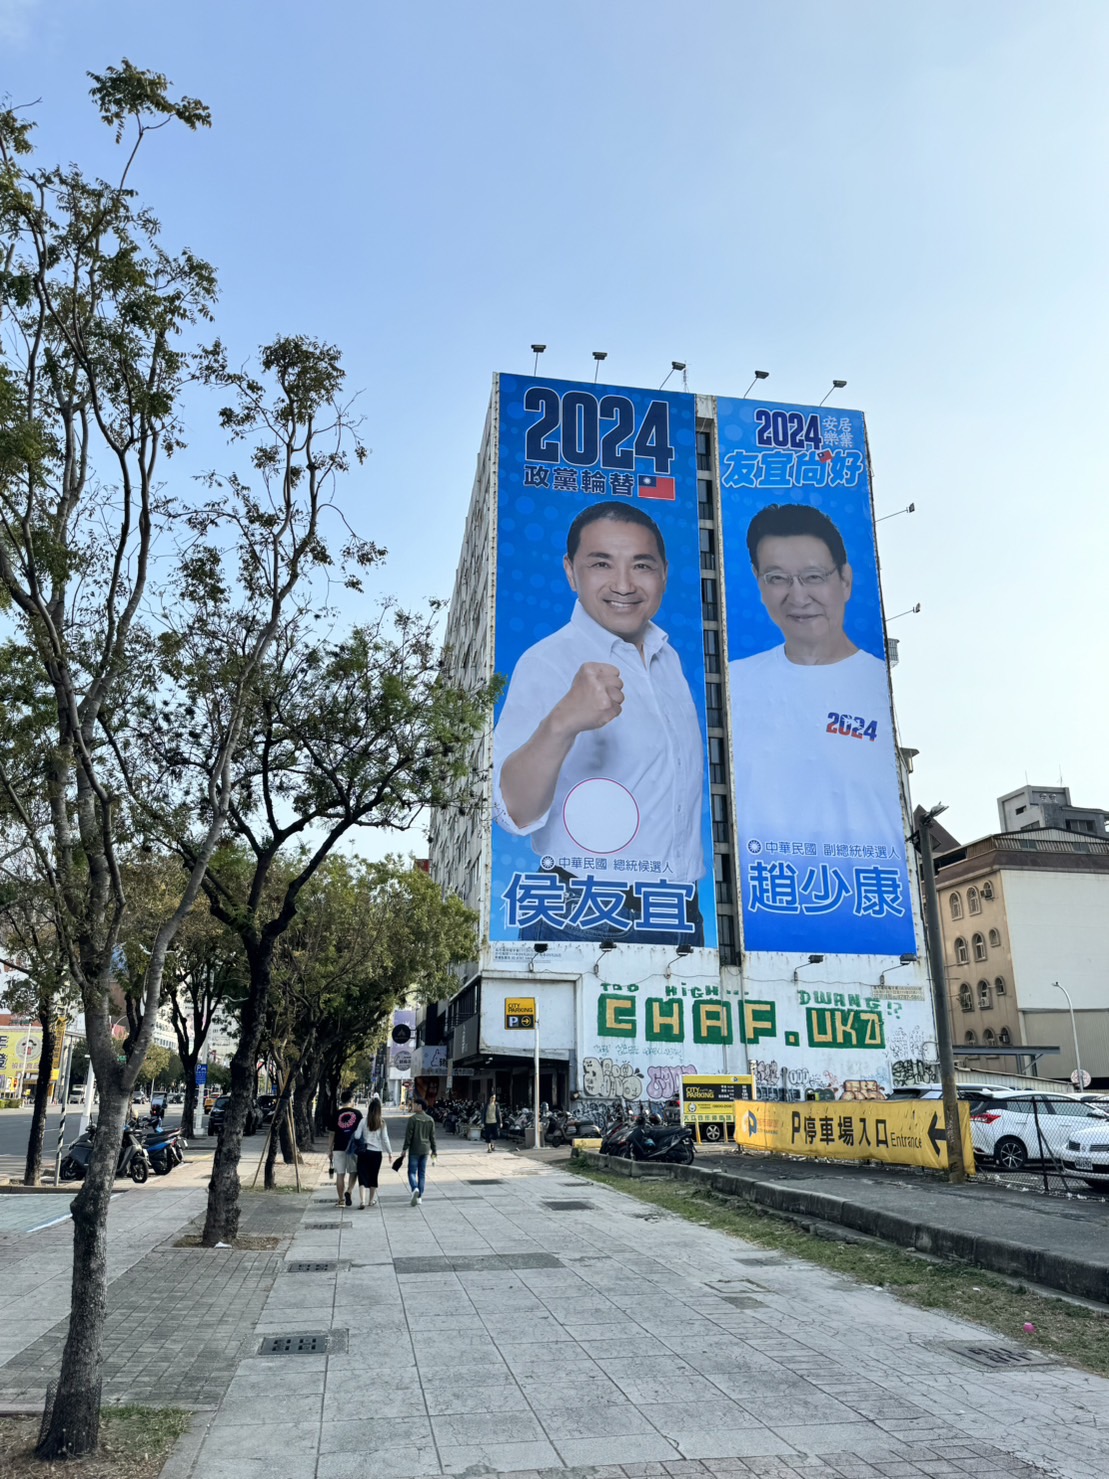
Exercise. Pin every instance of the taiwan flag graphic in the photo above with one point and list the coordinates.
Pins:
(662, 488)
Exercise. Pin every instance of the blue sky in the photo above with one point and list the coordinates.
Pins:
(908, 197)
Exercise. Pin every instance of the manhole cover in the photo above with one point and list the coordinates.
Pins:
(309, 1266)
(570, 1206)
(304, 1343)
(993, 1356)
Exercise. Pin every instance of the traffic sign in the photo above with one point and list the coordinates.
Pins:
(201, 1075)
(519, 1013)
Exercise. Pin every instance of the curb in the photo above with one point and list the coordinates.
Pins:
(1069, 1275)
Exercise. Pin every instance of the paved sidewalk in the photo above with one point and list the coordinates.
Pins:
(524, 1320)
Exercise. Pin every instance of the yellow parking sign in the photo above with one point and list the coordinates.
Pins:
(906, 1132)
(519, 1012)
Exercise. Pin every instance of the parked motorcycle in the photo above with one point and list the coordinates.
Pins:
(561, 1129)
(651, 1140)
(132, 1161)
(165, 1149)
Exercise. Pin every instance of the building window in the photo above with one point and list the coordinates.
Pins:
(712, 650)
(725, 930)
(716, 758)
(708, 550)
(961, 955)
(704, 451)
(995, 937)
(999, 986)
(988, 1038)
(985, 996)
(719, 804)
(972, 900)
(987, 890)
(722, 868)
(1004, 1037)
(979, 948)
(708, 600)
(966, 997)
(714, 713)
(970, 1038)
(955, 904)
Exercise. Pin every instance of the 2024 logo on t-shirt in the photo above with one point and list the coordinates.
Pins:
(852, 726)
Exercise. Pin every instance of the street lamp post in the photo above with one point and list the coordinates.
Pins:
(956, 1170)
(1074, 1033)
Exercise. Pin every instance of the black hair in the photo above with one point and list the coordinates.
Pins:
(616, 513)
(348, 1094)
(780, 520)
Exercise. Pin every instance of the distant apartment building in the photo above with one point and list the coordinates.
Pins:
(1024, 912)
(1049, 806)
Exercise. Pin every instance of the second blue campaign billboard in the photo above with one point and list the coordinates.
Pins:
(823, 854)
(601, 824)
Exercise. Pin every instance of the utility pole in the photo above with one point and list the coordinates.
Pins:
(937, 970)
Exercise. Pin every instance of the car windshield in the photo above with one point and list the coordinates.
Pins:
(222, 1102)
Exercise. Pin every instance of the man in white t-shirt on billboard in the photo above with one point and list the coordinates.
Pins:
(812, 727)
(598, 748)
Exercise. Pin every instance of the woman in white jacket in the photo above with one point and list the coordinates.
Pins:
(371, 1144)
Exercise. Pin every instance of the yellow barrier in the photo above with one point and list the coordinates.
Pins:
(593, 1144)
(905, 1132)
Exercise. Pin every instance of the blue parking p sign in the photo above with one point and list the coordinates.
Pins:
(201, 1075)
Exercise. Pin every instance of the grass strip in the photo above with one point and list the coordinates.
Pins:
(1073, 1332)
(134, 1444)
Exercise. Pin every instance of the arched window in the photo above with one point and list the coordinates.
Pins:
(972, 900)
(970, 1038)
(1004, 1037)
(995, 938)
(966, 997)
(999, 986)
(985, 996)
(987, 890)
(961, 956)
(955, 904)
(979, 947)
(987, 1038)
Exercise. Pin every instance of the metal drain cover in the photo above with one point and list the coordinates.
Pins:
(304, 1343)
(570, 1206)
(480, 1181)
(993, 1356)
(317, 1266)
(323, 1226)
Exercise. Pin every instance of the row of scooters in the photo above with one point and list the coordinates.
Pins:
(141, 1151)
(632, 1133)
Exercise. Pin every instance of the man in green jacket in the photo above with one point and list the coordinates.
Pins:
(419, 1141)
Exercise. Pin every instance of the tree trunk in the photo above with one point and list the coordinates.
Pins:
(75, 1424)
(221, 1223)
(301, 1117)
(288, 1149)
(188, 1112)
(42, 1097)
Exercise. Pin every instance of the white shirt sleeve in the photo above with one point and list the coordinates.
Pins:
(386, 1147)
(536, 686)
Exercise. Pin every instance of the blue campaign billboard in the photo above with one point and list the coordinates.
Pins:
(601, 825)
(823, 855)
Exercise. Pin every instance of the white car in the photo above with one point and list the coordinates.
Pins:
(1017, 1128)
(1087, 1153)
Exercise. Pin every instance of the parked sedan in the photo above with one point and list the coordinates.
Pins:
(1087, 1153)
(219, 1111)
(1017, 1128)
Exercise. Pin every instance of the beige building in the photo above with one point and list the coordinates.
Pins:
(1024, 914)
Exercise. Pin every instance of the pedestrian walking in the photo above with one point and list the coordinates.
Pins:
(491, 1122)
(373, 1146)
(419, 1143)
(345, 1127)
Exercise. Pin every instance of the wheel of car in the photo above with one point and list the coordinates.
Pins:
(1010, 1154)
(712, 1132)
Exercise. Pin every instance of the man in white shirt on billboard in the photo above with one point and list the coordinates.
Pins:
(812, 728)
(598, 753)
